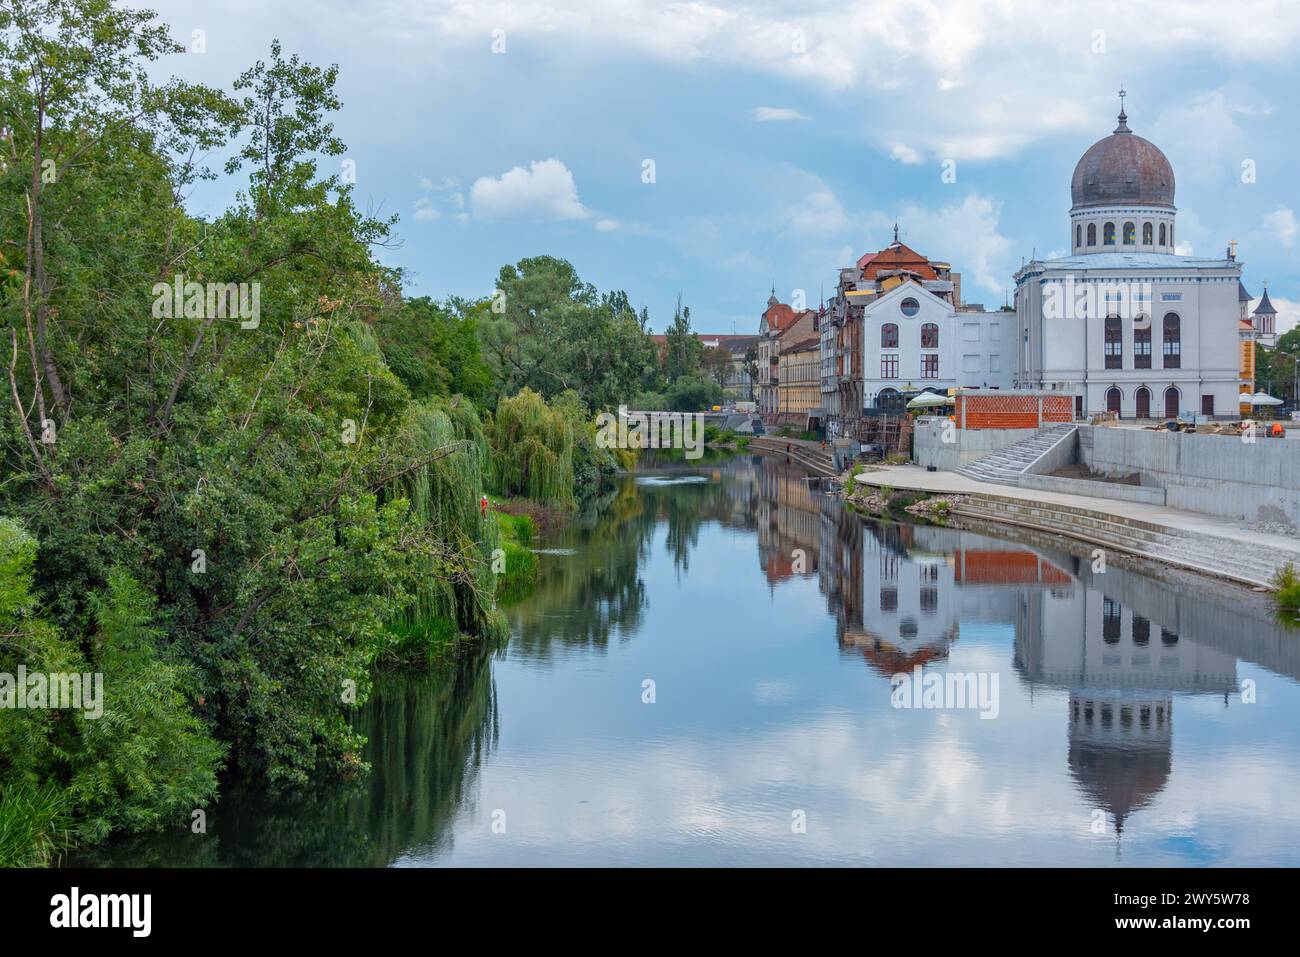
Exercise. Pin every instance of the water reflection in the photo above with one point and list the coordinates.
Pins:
(770, 621)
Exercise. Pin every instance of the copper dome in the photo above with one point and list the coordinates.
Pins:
(1123, 169)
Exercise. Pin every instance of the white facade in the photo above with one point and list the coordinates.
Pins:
(1125, 324)
(1177, 350)
(913, 339)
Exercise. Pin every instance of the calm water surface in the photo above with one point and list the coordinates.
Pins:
(770, 621)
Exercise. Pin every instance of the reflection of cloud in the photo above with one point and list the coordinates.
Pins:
(908, 788)
(772, 692)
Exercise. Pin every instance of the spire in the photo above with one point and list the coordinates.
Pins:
(1123, 117)
(1265, 308)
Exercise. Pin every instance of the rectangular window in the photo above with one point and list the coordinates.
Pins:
(995, 363)
(889, 367)
(970, 363)
(970, 332)
(1173, 354)
(1171, 297)
(995, 332)
(929, 367)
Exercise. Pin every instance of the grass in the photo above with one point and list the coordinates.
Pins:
(1286, 585)
(517, 576)
(850, 483)
(35, 825)
(785, 432)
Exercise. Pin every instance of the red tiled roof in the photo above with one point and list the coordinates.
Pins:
(897, 256)
(778, 317)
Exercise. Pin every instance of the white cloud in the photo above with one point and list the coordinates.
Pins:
(819, 212)
(1288, 313)
(543, 192)
(424, 211)
(905, 154)
(607, 225)
(964, 234)
(982, 77)
(770, 114)
(1282, 225)
(446, 183)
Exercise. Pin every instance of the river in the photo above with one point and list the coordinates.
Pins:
(703, 677)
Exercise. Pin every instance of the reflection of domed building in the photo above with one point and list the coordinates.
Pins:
(1126, 324)
(1121, 752)
(1122, 666)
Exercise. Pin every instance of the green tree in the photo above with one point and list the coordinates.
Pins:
(553, 333)
(716, 364)
(693, 394)
(434, 348)
(684, 352)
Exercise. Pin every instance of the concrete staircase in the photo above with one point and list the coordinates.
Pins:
(1208, 554)
(1006, 465)
(808, 454)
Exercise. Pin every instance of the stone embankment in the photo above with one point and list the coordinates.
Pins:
(1202, 543)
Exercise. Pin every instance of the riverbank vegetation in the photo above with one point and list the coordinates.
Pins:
(242, 468)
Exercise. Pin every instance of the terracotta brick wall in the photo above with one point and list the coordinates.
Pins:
(1012, 411)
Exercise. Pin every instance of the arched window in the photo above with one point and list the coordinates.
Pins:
(1108, 235)
(1112, 400)
(1114, 343)
(1173, 345)
(929, 335)
(1078, 235)
(1130, 234)
(889, 335)
(1146, 234)
(1143, 403)
(1142, 342)
(1162, 234)
(1092, 234)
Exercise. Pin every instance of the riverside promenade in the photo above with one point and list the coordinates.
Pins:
(1206, 544)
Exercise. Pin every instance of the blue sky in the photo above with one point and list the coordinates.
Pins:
(786, 138)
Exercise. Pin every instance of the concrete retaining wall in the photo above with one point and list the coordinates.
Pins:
(1063, 453)
(1215, 474)
(1120, 493)
(969, 444)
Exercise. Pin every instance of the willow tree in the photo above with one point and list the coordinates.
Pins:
(455, 595)
(532, 450)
